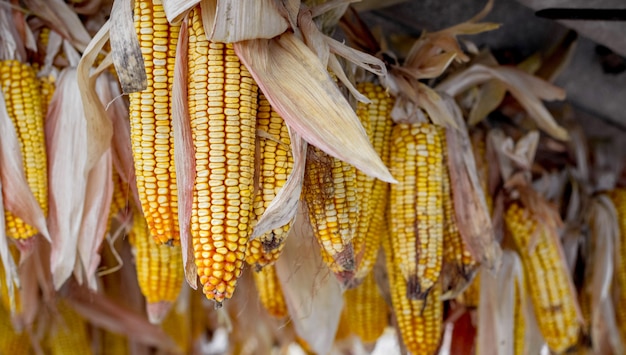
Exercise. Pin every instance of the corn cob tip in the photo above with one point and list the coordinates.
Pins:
(414, 290)
(157, 311)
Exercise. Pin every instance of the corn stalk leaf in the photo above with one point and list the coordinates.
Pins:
(233, 21)
(301, 91)
(20, 201)
(125, 49)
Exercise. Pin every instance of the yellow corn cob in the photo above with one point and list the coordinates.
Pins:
(12, 342)
(471, 295)
(460, 266)
(113, 344)
(331, 196)
(159, 267)
(69, 334)
(270, 291)
(4, 290)
(547, 280)
(366, 310)
(618, 196)
(120, 198)
(223, 128)
(177, 325)
(419, 321)
(276, 163)
(46, 86)
(377, 122)
(519, 322)
(151, 126)
(20, 88)
(416, 205)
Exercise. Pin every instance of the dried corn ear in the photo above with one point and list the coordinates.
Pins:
(366, 311)
(270, 291)
(69, 334)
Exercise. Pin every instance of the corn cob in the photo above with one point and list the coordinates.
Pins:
(270, 291)
(459, 264)
(177, 325)
(4, 290)
(151, 126)
(120, 198)
(113, 344)
(519, 322)
(46, 86)
(69, 333)
(158, 267)
(366, 310)
(547, 279)
(223, 129)
(471, 294)
(276, 163)
(20, 88)
(618, 196)
(330, 194)
(419, 321)
(12, 342)
(376, 119)
(416, 205)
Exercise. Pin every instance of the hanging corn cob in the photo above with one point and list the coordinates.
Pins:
(418, 321)
(366, 310)
(519, 321)
(416, 214)
(618, 196)
(330, 193)
(22, 95)
(158, 268)
(372, 192)
(151, 127)
(275, 164)
(547, 276)
(12, 342)
(68, 335)
(270, 291)
(222, 107)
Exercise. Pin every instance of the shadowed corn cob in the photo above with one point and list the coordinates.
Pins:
(222, 113)
(177, 324)
(113, 344)
(547, 279)
(270, 291)
(159, 267)
(618, 196)
(419, 321)
(519, 321)
(275, 163)
(69, 333)
(366, 310)
(46, 87)
(151, 126)
(20, 88)
(416, 218)
(330, 193)
(12, 342)
(376, 119)
(471, 294)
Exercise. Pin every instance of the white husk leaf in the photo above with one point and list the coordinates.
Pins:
(184, 158)
(61, 18)
(9, 48)
(235, 21)
(20, 201)
(176, 9)
(284, 206)
(301, 91)
(313, 296)
(11, 280)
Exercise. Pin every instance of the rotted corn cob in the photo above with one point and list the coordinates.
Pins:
(330, 193)
(373, 193)
(416, 218)
(458, 263)
(69, 334)
(618, 196)
(419, 321)
(270, 291)
(20, 88)
(546, 273)
(222, 112)
(159, 269)
(276, 163)
(366, 310)
(151, 125)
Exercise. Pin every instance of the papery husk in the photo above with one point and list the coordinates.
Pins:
(102, 312)
(184, 157)
(10, 46)
(125, 48)
(605, 241)
(301, 91)
(526, 89)
(558, 57)
(490, 96)
(313, 296)
(20, 201)
(497, 298)
(513, 156)
(11, 278)
(473, 220)
(227, 21)
(284, 206)
(175, 10)
(60, 17)
(67, 143)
